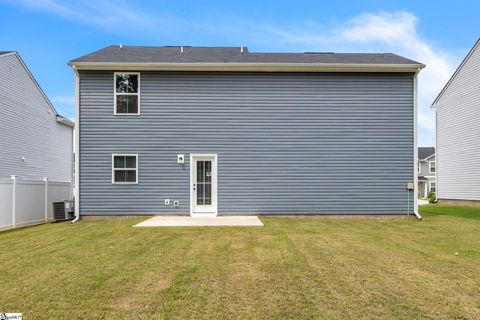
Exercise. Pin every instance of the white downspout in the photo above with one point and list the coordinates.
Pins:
(77, 146)
(14, 200)
(436, 158)
(45, 179)
(415, 148)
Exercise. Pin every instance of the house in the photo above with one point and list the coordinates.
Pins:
(35, 141)
(225, 131)
(426, 171)
(36, 148)
(457, 109)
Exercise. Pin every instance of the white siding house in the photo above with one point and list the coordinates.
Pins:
(35, 141)
(36, 152)
(458, 132)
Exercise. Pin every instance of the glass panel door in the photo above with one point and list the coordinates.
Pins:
(203, 194)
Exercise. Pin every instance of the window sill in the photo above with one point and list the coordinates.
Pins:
(127, 183)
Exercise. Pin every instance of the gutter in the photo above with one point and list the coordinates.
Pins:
(65, 121)
(248, 67)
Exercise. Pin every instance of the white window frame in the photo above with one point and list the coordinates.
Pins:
(125, 169)
(125, 94)
(430, 186)
(419, 169)
(430, 166)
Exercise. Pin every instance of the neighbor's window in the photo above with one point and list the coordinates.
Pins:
(127, 93)
(124, 168)
(432, 166)
(433, 186)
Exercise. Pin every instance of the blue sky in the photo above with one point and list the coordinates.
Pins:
(48, 33)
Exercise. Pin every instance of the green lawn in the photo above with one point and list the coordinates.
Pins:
(292, 268)
(464, 212)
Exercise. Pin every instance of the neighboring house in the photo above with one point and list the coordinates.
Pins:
(426, 171)
(199, 130)
(458, 133)
(36, 153)
(35, 141)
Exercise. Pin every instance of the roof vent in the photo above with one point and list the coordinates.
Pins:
(242, 50)
(121, 46)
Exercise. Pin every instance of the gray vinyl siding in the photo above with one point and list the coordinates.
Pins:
(28, 128)
(458, 132)
(286, 143)
(425, 168)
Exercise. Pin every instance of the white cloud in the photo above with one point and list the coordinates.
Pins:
(393, 32)
(68, 100)
(107, 14)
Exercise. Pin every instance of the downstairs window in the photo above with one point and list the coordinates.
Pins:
(124, 168)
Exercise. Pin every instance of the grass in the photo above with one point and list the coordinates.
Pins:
(293, 268)
(463, 212)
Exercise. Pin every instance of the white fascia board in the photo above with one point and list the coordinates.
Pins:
(65, 121)
(249, 67)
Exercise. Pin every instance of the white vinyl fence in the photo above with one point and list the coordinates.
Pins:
(29, 202)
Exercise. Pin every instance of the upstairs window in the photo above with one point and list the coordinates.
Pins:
(127, 93)
(124, 168)
(432, 166)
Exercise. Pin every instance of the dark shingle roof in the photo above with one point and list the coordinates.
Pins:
(4, 52)
(425, 152)
(172, 54)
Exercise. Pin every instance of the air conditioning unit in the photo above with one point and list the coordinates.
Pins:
(63, 211)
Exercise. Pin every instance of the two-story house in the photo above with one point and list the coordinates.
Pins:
(426, 171)
(457, 110)
(35, 141)
(225, 131)
(36, 148)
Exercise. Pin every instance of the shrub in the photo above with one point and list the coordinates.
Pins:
(431, 197)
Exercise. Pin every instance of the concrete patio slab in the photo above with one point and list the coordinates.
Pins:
(237, 221)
